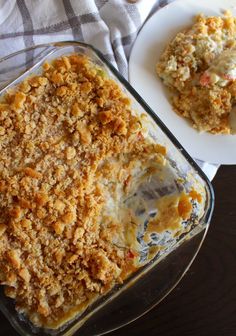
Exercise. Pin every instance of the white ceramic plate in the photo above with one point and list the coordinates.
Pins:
(149, 45)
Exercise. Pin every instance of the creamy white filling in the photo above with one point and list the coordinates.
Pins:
(207, 44)
(223, 69)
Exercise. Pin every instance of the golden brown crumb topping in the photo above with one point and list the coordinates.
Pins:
(68, 140)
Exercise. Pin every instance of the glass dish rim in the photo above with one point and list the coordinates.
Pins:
(209, 188)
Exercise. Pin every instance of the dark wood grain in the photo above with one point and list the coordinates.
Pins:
(204, 303)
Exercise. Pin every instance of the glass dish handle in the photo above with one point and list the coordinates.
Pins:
(14, 65)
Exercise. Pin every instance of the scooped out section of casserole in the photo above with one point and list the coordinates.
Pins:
(75, 165)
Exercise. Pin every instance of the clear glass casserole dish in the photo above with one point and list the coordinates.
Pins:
(157, 275)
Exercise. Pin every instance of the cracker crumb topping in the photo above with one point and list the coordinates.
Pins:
(69, 143)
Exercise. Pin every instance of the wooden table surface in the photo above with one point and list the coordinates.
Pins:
(204, 303)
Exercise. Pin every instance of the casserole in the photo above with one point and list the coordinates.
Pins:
(180, 175)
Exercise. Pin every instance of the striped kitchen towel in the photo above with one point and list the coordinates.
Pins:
(109, 25)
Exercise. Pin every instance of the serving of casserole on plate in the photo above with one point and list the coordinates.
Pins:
(199, 65)
(92, 191)
(194, 56)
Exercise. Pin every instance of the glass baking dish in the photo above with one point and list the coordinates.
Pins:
(157, 277)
